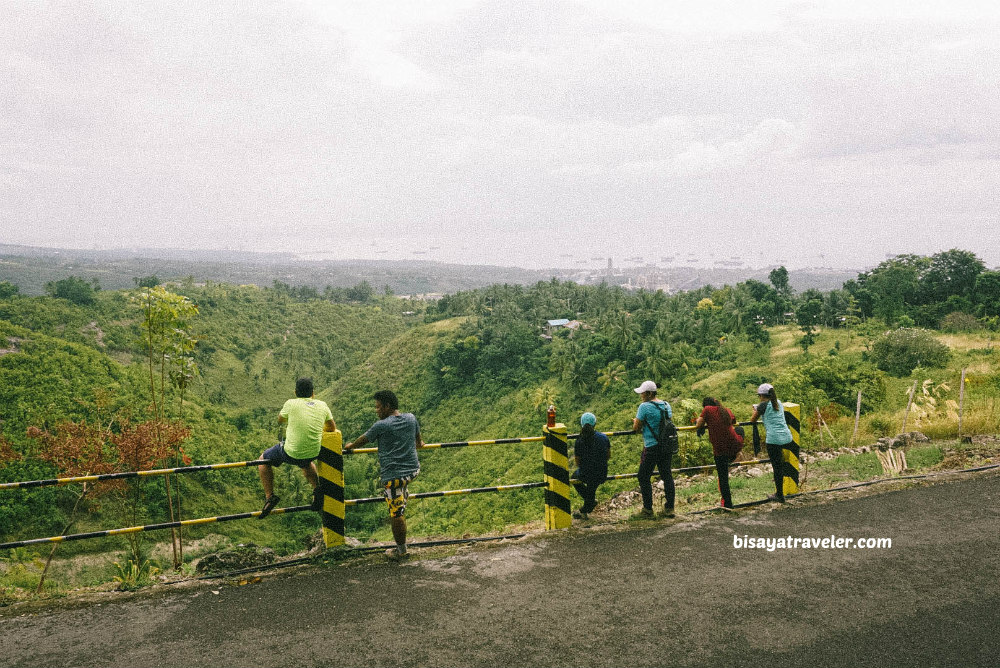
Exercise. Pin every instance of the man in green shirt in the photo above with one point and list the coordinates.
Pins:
(307, 419)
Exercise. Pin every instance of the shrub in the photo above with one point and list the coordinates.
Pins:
(900, 351)
(958, 321)
(840, 379)
(881, 426)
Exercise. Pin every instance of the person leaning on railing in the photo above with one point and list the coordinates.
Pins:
(654, 455)
(726, 441)
(591, 452)
(772, 413)
(398, 437)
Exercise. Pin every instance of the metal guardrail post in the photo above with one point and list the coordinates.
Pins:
(790, 452)
(555, 453)
(330, 469)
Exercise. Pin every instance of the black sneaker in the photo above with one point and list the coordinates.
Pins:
(579, 515)
(775, 498)
(269, 505)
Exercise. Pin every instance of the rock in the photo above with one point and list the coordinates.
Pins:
(755, 472)
(242, 556)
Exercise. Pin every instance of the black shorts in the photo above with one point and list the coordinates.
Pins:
(277, 456)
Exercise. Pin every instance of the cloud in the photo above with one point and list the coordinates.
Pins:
(195, 123)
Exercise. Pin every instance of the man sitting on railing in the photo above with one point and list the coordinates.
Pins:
(398, 437)
(307, 419)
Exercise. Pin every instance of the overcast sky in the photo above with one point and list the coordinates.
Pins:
(519, 133)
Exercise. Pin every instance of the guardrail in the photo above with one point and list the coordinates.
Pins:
(330, 466)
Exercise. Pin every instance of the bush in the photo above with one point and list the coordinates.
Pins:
(840, 379)
(900, 351)
(881, 426)
(74, 289)
(958, 321)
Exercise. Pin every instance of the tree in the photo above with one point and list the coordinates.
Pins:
(544, 396)
(806, 315)
(8, 289)
(169, 347)
(779, 279)
(987, 293)
(950, 273)
(75, 449)
(73, 289)
(567, 361)
(894, 284)
(166, 339)
(150, 281)
(611, 375)
(656, 362)
(362, 292)
(624, 332)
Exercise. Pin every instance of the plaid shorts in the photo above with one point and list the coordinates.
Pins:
(396, 494)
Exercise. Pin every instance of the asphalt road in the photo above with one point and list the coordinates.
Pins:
(660, 593)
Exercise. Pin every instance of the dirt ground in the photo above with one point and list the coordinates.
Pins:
(654, 593)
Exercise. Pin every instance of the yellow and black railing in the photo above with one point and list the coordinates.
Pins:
(128, 474)
(330, 467)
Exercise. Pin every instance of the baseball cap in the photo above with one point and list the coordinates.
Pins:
(647, 386)
(588, 418)
(765, 388)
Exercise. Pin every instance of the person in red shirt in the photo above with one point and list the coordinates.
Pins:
(726, 442)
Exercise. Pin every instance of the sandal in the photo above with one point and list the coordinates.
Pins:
(269, 505)
(395, 555)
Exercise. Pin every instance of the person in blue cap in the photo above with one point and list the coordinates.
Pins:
(592, 451)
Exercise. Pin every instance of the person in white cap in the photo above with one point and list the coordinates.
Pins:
(772, 413)
(654, 455)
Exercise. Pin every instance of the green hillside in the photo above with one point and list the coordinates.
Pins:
(480, 364)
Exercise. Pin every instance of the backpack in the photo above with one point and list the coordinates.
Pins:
(667, 436)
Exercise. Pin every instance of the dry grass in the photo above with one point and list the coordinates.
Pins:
(717, 379)
(968, 341)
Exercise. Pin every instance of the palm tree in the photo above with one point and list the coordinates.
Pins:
(544, 396)
(624, 332)
(612, 374)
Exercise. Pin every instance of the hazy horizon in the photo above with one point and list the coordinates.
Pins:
(594, 263)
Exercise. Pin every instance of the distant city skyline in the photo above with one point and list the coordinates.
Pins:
(526, 134)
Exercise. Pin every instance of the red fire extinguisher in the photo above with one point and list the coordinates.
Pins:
(551, 422)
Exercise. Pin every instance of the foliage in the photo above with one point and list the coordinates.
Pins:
(47, 380)
(73, 289)
(840, 380)
(959, 321)
(167, 341)
(807, 315)
(81, 448)
(900, 351)
(925, 289)
(8, 289)
(480, 365)
(26, 513)
(134, 574)
(779, 279)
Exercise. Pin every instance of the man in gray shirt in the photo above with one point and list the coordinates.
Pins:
(398, 437)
